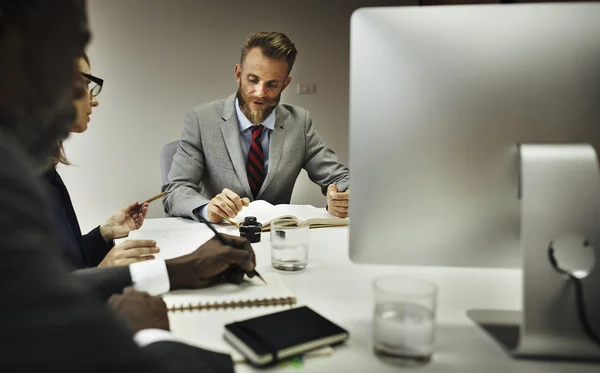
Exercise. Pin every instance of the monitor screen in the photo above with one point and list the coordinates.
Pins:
(440, 98)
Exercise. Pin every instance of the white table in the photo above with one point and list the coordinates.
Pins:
(341, 291)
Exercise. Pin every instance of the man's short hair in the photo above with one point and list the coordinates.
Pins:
(274, 45)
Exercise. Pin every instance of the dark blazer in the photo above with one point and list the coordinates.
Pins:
(82, 251)
(50, 321)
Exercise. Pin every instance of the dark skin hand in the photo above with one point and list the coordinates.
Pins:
(140, 310)
(211, 263)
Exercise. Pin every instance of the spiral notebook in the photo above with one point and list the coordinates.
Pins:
(249, 294)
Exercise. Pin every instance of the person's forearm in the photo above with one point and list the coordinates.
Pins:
(177, 270)
(151, 276)
(104, 281)
(183, 199)
(96, 246)
(322, 164)
(106, 233)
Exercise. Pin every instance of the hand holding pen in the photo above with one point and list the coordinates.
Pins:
(127, 219)
(123, 221)
(338, 201)
(139, 206)
(227, 241)
(212, 262)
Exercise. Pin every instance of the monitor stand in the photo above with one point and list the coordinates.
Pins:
(560, 189)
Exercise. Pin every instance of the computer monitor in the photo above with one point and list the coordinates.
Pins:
(440, 98)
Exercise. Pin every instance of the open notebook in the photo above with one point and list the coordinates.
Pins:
(266, 213)
(251, 293)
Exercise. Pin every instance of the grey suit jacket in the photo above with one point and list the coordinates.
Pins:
(209, 158)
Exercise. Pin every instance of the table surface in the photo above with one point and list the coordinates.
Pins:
(341, 291)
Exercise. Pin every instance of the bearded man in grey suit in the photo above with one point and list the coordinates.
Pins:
(250, 146)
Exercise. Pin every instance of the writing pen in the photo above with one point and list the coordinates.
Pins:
(339, 191)
(226, 242)
(154, 198)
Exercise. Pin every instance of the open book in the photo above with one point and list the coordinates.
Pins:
(266, 213)
(250, 293)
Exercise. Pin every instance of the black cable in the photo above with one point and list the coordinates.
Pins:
(579, 296)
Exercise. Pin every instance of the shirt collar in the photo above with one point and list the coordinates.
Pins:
(245, 123)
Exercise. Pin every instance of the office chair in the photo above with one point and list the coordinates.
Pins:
(166, 157)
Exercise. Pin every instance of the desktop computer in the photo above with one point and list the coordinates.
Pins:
(473, 138)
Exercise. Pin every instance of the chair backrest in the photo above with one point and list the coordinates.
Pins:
(166, 157)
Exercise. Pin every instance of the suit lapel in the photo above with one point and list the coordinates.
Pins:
(230, 130)
(276, 143)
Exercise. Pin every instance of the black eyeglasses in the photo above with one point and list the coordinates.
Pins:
(96, 86)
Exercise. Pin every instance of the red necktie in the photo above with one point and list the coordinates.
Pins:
(256, 161)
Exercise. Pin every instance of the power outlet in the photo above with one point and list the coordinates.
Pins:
(306, 89)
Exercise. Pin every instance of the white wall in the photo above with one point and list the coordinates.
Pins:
(159, 58)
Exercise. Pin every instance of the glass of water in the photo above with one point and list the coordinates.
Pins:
(404, 319)
(289, 245)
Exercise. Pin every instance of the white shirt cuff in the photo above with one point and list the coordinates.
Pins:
(150, 276)
(204, 211)
(148, 336)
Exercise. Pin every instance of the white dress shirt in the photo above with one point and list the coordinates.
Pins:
(152, 277)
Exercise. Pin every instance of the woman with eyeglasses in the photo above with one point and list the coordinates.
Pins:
(95, 249)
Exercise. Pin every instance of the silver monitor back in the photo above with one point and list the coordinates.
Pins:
(439, 99)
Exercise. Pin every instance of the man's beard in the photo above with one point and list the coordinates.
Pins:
(256, 116)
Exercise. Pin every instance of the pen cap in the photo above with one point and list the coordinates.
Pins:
(250, 220)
